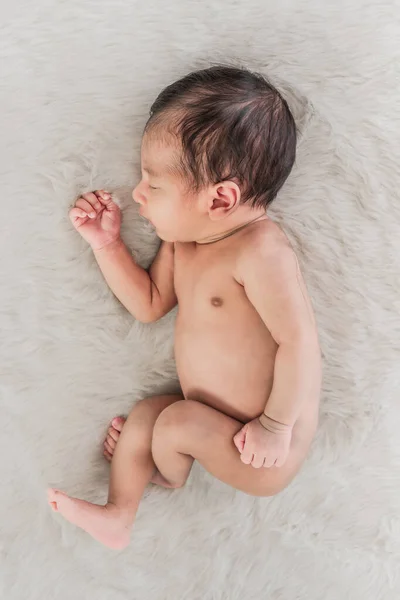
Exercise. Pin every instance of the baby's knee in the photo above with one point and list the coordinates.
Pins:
(175, 417)
(268, 491)
(272, 482)
(139, 424)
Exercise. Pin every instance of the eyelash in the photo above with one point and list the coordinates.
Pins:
(152, 187)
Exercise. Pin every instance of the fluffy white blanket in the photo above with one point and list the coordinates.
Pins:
(77, 79)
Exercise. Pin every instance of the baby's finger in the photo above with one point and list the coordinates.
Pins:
(247, 455)
(258, 461)
(93, 199)
(87, 207)
(280, 460)
(106, 200)
(77, 213)
(238, 440)
(269, 462)
(103, 194)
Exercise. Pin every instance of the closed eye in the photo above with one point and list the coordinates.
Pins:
(152, 187)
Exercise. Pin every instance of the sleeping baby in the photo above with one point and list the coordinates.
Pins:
(217, 148)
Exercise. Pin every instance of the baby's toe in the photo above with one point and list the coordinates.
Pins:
(113, 433)
(108, 448)
(118, 423)
(52, 498)
(111, 442)
(107, 455)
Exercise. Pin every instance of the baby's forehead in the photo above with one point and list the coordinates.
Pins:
(159, 156)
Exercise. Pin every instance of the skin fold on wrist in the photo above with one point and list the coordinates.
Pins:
(272, 425)
(111, 245)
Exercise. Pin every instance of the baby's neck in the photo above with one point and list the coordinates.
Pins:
(229, 226)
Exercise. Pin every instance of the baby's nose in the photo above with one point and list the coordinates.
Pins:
(138, 196)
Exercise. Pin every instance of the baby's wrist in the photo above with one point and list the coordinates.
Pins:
(112, 245)
(274, 426)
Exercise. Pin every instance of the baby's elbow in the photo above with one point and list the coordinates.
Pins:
(297, 337)
(147, 318)
(150, 316)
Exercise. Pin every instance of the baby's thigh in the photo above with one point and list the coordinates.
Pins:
(207, 435)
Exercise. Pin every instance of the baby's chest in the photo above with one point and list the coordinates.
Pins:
(203, 281)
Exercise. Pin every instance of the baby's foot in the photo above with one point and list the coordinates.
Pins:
(113, 434)
(106, 524)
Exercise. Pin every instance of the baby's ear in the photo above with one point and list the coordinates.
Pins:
(224, 198)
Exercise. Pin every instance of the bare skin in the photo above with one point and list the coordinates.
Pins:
(246, 350)
(110, 443)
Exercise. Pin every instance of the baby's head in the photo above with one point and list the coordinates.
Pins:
(218, 146)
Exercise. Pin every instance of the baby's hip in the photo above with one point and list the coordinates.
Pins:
(239, 405)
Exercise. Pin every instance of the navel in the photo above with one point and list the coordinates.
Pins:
(216, 301)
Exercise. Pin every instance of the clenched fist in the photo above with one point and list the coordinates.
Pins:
(97, 218)
(263, 446)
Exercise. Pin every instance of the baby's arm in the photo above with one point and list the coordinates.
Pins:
(147, 295)
(273, 283)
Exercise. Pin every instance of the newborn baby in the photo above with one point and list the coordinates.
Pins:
(217, 148)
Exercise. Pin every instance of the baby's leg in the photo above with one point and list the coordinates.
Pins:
(110, 443)
(132, 468)
(190, 430)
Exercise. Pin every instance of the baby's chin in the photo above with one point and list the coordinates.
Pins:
(171, 237)
(161, 234)
(164, 237)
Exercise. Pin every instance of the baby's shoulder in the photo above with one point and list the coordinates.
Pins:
(265, 239)
(266, 251)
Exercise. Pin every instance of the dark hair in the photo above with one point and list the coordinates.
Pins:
(232, 124)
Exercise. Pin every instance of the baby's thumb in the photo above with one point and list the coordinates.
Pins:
(239, 439)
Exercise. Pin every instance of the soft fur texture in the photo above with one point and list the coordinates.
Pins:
(77, 81)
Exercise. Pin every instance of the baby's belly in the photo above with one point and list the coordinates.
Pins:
(227, 367)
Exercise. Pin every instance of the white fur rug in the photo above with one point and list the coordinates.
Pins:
(77, 79)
